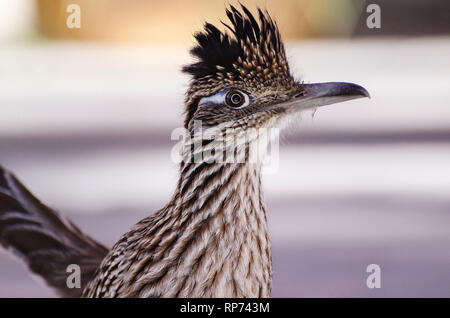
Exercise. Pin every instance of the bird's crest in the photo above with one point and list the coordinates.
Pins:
(251, 57)
(253, 50)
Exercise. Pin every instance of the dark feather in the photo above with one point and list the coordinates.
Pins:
(216, 48)
(46, 241)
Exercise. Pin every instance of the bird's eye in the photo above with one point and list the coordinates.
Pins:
(231, 97)
(235, 98)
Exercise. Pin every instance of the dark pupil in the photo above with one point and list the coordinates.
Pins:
(235, 99)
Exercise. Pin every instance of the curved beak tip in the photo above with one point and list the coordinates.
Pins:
(364, 92)
(348, 89)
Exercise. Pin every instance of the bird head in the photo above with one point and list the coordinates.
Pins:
(241, 77)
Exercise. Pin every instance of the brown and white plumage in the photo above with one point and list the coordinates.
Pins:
(213, 243)
(211, 239)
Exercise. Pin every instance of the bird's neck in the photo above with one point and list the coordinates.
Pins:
(210, 240)
(221, 220)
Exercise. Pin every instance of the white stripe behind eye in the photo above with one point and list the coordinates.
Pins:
(218, 98)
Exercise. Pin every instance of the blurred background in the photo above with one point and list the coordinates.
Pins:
(86, 116)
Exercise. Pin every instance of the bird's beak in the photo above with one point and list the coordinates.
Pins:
(321, 94)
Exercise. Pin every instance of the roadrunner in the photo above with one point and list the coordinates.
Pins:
(211, 239)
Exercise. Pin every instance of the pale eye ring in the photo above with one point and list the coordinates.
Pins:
(235, 98)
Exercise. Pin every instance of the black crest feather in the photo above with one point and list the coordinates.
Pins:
(217, 51)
